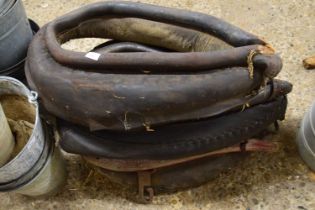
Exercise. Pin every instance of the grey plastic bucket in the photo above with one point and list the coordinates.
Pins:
(17, 70)
(38, 169)
(5, 6)
(306, 138)
(2, 4)
(15, 33)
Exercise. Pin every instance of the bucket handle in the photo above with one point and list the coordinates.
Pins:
(33, 97)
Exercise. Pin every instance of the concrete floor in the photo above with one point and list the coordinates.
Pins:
(274, 181)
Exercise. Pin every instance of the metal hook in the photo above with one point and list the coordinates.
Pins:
(33, 97)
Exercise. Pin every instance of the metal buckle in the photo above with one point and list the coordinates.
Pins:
(145, 189)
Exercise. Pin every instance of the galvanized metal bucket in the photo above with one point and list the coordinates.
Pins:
(37, 169)
(34, 171)
(306, 138)
(34, 147)
(49, 179)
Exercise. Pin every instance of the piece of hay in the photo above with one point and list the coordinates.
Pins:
(21, 118)
(18, 108)
(22, 131)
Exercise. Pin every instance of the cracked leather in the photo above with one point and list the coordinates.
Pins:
(205, 67)
(175, 140)
(171, 84)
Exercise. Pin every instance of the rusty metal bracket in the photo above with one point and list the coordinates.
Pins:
(145, 189)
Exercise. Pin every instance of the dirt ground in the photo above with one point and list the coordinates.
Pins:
(274, 181)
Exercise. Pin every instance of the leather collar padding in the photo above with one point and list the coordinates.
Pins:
(176, 140)
(135, 91)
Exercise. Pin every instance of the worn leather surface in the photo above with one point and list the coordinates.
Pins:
(171, 84)
(138, 90)
(175, 140)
